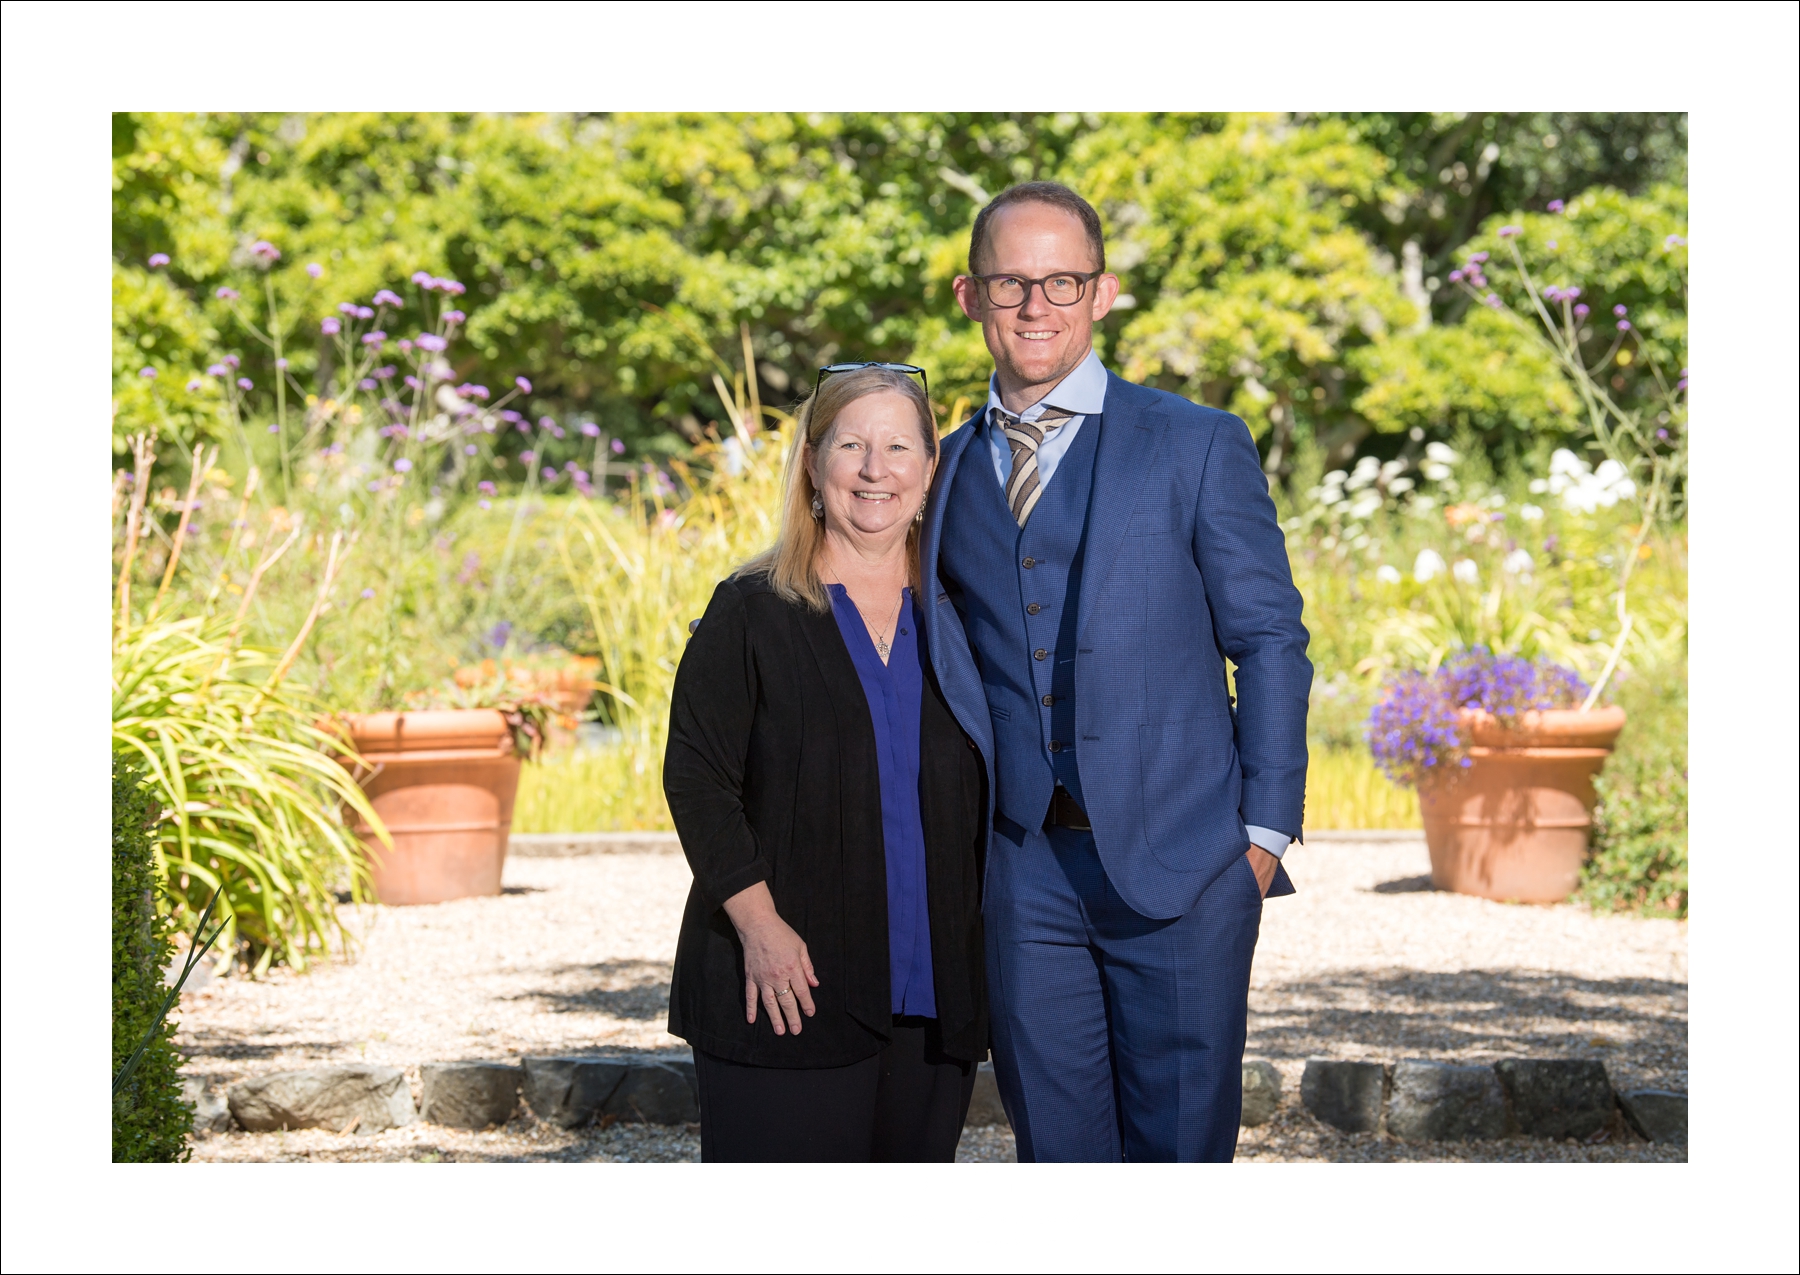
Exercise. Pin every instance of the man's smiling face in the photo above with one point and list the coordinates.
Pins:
(1036, 344)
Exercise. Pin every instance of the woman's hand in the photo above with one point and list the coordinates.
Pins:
(777, 969)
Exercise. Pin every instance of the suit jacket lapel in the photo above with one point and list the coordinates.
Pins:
(947, 644)
(1129, 437)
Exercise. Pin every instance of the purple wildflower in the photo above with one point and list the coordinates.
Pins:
(384, 297)
(428, 341)
(1492, 301)
(1456, 276)
(281, 365)
(158, 259)
(368, 593)
(374, 338)
(330, 327)
(195, 385)
(383, 373)
(216, 369)
(363, 312)
(421, 278)
(405, 345)
(411, 382)
(485, 504)
(274, 429)
(402, 465)
(451, 286)
(245, 383)
(347, 307)
(230, 360)
(1581, 312)
(1662, 435)
(1507, 232)
(549, 473)
(469, 449)
(1478, 258)
(511, 417)
(590, 429)
(314, 269)
(486, 488)
(226, 294)
(454, 316)
(266, 250)
(1624, 325)
(1673, 241)
(1619, 312)
(1555, 206)
(368, 383)
(148, 373)
(618, 447)
(528, 456)
(523, 384)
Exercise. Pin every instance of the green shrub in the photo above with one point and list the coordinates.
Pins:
(1639, 861)
(150, 1120)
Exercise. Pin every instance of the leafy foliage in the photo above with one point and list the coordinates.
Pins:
(1639, 861)
(150, 1118)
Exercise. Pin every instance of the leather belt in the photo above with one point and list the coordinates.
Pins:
(1066, 812)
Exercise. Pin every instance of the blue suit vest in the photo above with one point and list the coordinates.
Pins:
(1017, 591)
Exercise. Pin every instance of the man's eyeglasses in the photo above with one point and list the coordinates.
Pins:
(834, 368)
(1008, 291)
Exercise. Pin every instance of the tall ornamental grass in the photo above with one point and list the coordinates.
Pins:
(236, 755)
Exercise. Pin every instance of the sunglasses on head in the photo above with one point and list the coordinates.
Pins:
(831, 369)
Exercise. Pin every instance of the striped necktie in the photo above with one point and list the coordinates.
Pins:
(1025, 437)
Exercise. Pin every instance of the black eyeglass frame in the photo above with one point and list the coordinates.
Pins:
(833, 369)
(1083, 277)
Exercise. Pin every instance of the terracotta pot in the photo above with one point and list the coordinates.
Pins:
(443, 782)
(1514, 826)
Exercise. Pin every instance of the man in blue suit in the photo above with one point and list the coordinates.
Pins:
(1096, 552)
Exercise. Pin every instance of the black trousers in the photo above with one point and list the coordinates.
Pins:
(907, 1103)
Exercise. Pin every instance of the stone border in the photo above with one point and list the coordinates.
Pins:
(575, 845)
(1415, 1099)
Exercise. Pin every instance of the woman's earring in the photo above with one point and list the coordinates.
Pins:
(818, 507)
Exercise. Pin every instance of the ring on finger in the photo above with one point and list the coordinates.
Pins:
(786, 991)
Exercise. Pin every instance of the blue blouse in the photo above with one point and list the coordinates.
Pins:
(895, 692)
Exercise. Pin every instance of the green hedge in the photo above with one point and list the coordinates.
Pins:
(1640, 855)
(150, 1120)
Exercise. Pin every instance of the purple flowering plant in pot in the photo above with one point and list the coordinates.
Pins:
(1503, 753)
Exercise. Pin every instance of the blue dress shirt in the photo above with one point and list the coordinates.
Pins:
(1083, 392)
(895, 692)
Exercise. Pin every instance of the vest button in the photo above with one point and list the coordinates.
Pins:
(1049, 700)
(1031, 609)
(1029, 563)
(1040, 654)
(1056, 746)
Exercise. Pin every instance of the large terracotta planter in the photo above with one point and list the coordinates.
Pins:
(443, 782)
(1514, 825)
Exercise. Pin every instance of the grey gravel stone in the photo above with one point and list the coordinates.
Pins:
(468, 1095)
(571, 1091)
(1441, 1102)
(1659, 1115)
(375, 1098)
(1557, 1097)
(655, 1091)
(985, 1107)
(1262, 1092)
(1344, 1094)
(211, 1114)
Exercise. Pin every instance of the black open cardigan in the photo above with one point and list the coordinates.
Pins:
(771, 776)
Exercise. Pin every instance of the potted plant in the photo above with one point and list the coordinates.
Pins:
(564, 681)
(1503, 752)
(442, 774)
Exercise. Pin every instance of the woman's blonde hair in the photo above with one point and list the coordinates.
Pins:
(792, 563)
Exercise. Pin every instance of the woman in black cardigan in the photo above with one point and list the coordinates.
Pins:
(830, 972)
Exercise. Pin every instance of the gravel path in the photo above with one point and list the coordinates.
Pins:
(1366, 961)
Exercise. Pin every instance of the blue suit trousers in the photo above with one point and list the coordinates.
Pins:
(1117, 1037)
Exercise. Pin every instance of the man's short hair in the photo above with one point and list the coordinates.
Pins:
(1056, 195)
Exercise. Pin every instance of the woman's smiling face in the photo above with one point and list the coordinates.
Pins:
(873, 468)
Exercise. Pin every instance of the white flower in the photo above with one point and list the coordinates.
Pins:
(1400, 485)
(1387, 574)
(1466, 571)
(1539, 486)
(1391, 470)
(1434, 471)
(1428, 564)
(1366, 505)
(1366, 470)
(1335, 478)
(1518, 562)
(1441, 454)
(1531, 513)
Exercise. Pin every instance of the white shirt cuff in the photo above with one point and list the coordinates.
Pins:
(1274, 842)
